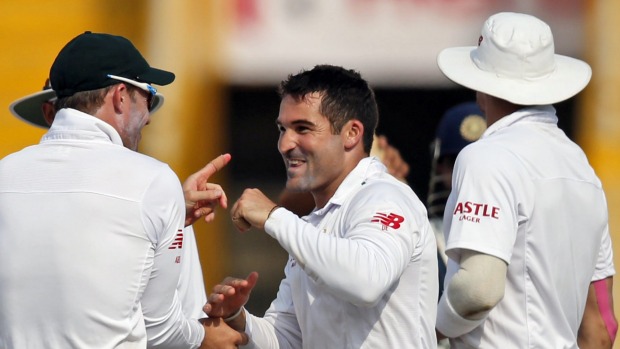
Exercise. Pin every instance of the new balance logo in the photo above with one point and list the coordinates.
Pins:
(178, 241)
(391, 220)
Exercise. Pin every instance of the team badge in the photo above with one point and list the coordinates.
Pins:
(472, 127)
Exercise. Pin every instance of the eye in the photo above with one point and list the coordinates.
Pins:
(302, 129)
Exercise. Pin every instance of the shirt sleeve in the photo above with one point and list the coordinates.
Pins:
(605, 261)
(483, 204)
(359, 254)
(279, 327)
(163, 219)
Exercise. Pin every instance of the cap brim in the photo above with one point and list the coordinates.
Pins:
(28, 108)
(157, 76)
(569, 78)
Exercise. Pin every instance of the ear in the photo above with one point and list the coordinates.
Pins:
(119, 98)
(353, 132)
(49, 112)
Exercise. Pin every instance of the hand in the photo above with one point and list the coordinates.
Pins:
(251, 210)
(391, 158)
(229, 296)
(219, 335)
(202, 197)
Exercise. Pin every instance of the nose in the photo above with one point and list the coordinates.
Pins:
(286, 142)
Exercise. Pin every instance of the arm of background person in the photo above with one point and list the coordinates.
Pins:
(598, 326)
(472, 292)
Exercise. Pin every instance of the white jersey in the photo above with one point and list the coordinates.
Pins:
(191, 288)
(91, 244)
(362, 271)
(526, 194)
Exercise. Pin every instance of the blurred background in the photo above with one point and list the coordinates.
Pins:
(230, 55)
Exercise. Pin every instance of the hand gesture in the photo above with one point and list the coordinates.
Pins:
(219, 335)
(229, 296)
(251, 210)
(202, 197)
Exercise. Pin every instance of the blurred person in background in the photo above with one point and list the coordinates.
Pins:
(99, 266)
(362, 268)
(526, 223)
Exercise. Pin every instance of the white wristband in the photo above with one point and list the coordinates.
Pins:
(450, 323)
(234, 316)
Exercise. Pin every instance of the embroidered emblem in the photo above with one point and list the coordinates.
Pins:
(391, 220)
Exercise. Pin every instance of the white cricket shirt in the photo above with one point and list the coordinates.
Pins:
(526, 194)
(90, 244)
(362, 271)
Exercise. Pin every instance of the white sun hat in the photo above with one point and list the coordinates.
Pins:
(28, 108)
(515, 60)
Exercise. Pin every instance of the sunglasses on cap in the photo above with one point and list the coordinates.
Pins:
(151, 91)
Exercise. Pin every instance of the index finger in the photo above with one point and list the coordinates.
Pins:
(216, 164)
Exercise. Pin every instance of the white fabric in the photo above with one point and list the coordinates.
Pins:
(515, 61)
(526, 194)
(88, 231)
(351, 281)
(191, 286)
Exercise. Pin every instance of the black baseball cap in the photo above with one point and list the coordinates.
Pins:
(86, 61)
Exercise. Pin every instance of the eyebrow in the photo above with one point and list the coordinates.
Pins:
(299, 122)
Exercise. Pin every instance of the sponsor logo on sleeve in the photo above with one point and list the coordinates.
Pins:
(473, 212)
(391, 220)
(178, 241)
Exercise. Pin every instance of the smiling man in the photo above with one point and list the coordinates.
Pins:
(362, 271)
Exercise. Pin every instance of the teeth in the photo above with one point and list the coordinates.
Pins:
(294, 162)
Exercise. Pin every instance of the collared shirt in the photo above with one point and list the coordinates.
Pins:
(362, 271)
(90, 243)
(526, 194)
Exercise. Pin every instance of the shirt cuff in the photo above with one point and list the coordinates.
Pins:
(450, 323)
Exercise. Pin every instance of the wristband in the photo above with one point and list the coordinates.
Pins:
(234, 316)
(271, 211)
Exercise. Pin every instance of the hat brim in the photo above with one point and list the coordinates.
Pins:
(28, 108)
(157, 76)
(569, 78)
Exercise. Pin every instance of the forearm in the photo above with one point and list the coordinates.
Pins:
(598, 326)
(473, 291)
(372, 263)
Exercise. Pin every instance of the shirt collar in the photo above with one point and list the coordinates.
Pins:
(74, 124)
(539, 113)
(366, 168)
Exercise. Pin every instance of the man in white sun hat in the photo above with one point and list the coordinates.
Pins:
(526, 223)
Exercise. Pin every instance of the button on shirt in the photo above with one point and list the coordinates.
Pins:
(90, 243)
(362, 271)
(526, 194)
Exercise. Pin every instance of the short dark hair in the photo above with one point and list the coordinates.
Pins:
(85, 101)
(344, 96)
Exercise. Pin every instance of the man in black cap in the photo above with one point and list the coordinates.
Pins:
(100, 263)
